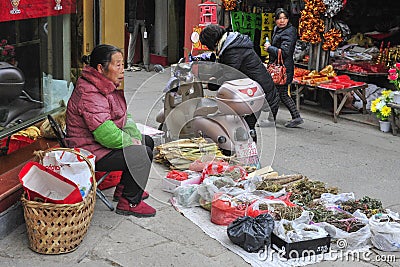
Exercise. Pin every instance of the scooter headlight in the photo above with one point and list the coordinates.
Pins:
(241, 134)
(221, 139)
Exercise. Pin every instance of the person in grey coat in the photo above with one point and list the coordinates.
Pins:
(236, 50)
(284, 37)
(139, 15)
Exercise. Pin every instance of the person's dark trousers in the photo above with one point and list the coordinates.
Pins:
(288, 101)
(135, 163)
(252, 121)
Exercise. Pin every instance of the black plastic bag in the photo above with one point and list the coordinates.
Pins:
(252, 234)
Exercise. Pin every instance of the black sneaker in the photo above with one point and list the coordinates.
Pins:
(293, 123)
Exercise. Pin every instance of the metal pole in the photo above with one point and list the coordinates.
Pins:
(317, 67)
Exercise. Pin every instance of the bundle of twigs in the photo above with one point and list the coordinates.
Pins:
(180, 153)
(369, 206)
(322, 214)
(287, 213)
(283, 179)
(306, 190)
(349, 225)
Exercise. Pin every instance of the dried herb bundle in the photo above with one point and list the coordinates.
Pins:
(288, 227)
(269, 186)
(276, 183)
(349, 225)
(235, 174)
(369, 206)
(223, 182)
(321, 214)
(287, 213)
(306, 190)
(270, 206)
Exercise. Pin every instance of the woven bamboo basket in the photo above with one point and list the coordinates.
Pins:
(59, 228)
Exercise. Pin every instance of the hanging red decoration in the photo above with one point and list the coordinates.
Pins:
(28, 9)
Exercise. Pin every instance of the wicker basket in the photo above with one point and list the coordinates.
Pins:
(59, 228)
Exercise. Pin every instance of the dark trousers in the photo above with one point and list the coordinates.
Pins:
(251, 121)
(288, 101)
(135, 163)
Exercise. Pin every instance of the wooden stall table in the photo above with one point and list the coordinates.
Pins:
(337, 107)
(393, 116)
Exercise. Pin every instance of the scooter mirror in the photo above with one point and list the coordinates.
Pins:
(195, 37)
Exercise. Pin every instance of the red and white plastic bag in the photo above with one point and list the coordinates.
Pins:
(72, 166)
(43, 185)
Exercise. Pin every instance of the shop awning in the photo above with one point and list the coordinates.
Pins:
(29, 9)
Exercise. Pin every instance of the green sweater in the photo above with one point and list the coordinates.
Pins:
(110, 136)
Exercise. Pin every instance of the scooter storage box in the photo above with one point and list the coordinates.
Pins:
(240, 97)
(12, 82)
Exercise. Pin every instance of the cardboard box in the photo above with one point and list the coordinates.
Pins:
(302, 248)
(169, 185)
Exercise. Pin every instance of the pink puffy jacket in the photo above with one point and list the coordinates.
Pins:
(93, 101)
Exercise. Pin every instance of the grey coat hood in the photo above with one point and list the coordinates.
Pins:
(236, 40)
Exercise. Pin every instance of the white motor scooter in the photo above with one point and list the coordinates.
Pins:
(189, 113)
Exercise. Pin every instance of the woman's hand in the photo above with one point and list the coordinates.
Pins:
(136, 142)
(266, 45)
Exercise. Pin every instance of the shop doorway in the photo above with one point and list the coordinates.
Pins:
(176, 29)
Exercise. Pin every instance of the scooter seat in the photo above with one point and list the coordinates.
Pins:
(206, 106)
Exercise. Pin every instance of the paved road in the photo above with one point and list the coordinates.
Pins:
(352, 156)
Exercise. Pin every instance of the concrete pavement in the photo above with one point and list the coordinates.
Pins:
(354, 157)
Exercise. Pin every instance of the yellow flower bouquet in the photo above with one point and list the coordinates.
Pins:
(379, 105)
